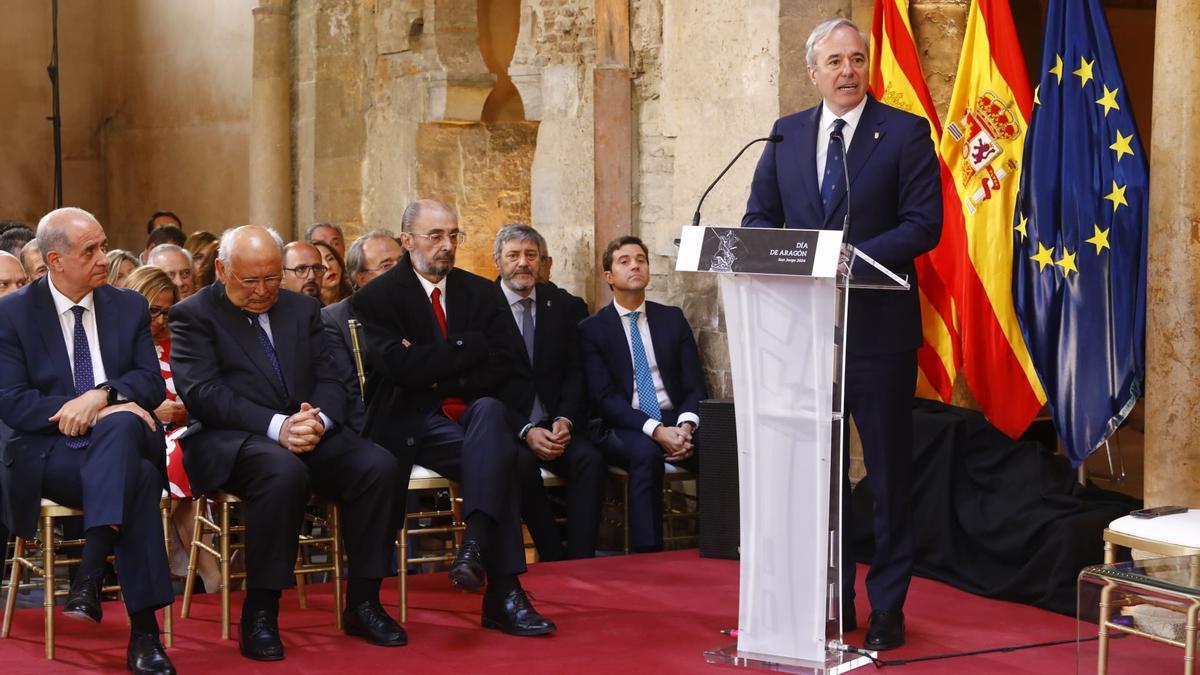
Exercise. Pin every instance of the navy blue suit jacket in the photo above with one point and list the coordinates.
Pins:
(36, 380)
(895, 209)
(228, 384)
(609, 367)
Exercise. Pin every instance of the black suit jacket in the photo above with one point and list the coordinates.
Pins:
(578, 306)
(609, 366)
(36, 380)
(228, 385)
(410, 380)
(895, 212)
(556, 373)
(341, 349)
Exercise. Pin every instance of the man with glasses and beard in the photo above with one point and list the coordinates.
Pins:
(438, 348)
(302, 269)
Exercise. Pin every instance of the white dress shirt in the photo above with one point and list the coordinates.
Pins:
(664, 401)
(429, 286)
(851, 117)
(66, 320)
(514, 304)
(278, 419)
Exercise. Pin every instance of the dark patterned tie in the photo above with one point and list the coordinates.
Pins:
(537, 412)
(264, 341)
(85, 378)
(835, 173)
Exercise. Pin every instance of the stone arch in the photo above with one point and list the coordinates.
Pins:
(460, 82)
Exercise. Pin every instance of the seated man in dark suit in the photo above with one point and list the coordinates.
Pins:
(78, 374)
(369, 256)
(645, 381)
(250, 364)
(547, 392)
(437, 343)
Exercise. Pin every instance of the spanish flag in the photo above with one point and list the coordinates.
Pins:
(896, 80)
(983, 145)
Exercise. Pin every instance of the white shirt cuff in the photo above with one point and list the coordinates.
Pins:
(276, 426)
(649, 427)
(688, 417)
(326, 422)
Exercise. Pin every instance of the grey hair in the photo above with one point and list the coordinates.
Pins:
(225, 248)
(356, 258)
(51, 233)
(518, 232)
(308, 234)
(168, 248)
(413, 211)
(823, 30)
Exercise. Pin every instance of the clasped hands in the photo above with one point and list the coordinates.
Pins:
(302, 431)
(549, 444)
(676, 442)
(77, 416)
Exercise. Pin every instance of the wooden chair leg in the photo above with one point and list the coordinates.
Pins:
(224, 564)
(14, 583)
(301, 579)
(401, 574)
(335, 531)
(168, 632)
(48, 582)
(189, 582)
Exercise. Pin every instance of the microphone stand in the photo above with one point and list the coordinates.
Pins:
(55, 116)
(776, 138)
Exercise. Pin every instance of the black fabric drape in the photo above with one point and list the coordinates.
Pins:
(996, 517)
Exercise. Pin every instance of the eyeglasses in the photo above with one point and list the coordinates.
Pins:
(384, 266)
(305, 270)
(252, 283)
(158, 312)
(457, 237)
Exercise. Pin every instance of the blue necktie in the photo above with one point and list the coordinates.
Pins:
(647, 394)
(85, 379)
(264, 341)
(834, 172)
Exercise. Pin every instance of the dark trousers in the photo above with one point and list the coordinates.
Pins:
(114, 483)
(582, 465)
(643, 459)
(879, 395)
(274, 484)
(479, 452)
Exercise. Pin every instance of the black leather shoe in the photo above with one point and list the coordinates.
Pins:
(849, 618)
(146, 656)
(368, 620)
(467, 572)
(512, 613)
(258, 637)
(886, 630)
(83, 601)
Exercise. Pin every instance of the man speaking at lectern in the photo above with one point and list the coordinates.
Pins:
(893, 214)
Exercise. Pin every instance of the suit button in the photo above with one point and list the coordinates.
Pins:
(462, 381)
(458, 343)
(410, 442)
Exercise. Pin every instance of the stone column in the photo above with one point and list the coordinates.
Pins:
(613, 129)
(270, 120)
(1172, 461)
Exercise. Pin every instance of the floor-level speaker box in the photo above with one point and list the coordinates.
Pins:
(716, 445)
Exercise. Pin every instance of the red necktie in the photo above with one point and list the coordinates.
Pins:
(452, 407)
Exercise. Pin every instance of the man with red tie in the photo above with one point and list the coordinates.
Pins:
(438, 350)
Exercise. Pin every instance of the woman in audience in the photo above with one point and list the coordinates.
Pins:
(203, 247)
(160, 292)
(120, 264)
(335, 285)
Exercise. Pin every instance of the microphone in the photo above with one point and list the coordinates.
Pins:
(837, 135)
(775, 138)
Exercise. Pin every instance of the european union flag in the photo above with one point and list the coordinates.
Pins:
(1080, 232)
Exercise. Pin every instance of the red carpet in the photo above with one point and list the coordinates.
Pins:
(629, 614)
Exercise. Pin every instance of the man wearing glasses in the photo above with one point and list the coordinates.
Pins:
(250, 364)
(369, 256)
(177, 263)
(438, 345)
(302, 269)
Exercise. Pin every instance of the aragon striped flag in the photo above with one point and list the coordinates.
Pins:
(983, 145)
(896, 80)
(1080, 232)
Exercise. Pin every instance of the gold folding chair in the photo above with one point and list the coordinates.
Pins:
(424, 479)
(225, 530)
(673, 494)
(48, 559)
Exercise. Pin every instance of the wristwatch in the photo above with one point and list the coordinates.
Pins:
(525, 431)
(108, 389)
